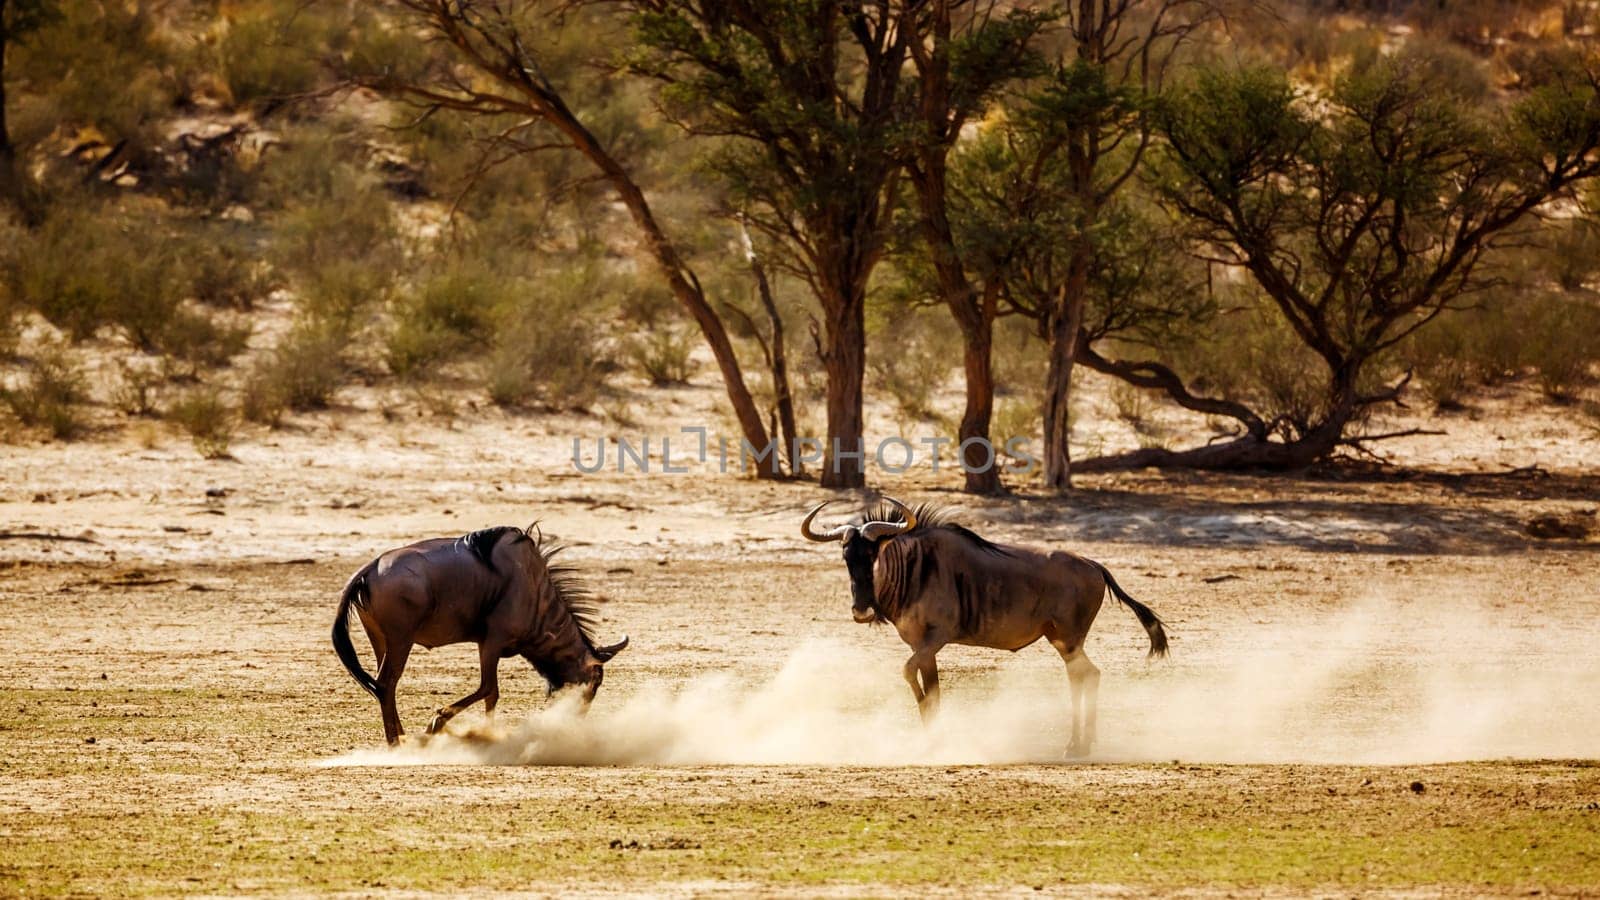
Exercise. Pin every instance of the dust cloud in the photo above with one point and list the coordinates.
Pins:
(1381, 681)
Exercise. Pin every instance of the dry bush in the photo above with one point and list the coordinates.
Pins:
(1547, 333)
(556, 361)
(663, 355)
(262, 396)
(87, 269)
(137, 383)
(444, 317)
(225, 273)
(548, 346)
(267, 51)
(305, 369)
(50, 395)
(207, 419)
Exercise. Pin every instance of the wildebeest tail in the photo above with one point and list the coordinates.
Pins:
(354, 593)
(1151, 622)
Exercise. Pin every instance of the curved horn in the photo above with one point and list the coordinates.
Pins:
(877, 531)
(831, 535)
(604, 654)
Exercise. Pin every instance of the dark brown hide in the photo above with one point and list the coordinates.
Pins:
(939, 583)
(495, 588)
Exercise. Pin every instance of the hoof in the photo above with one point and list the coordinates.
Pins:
(438, 722)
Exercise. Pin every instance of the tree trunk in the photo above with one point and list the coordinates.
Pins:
(1253, 450)
(845, 359)
(512, 68)
(981, 461)
(10, 181)
(685, 287)
(1065, 321)
(780, 366)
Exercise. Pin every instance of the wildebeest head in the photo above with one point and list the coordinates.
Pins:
(568, 655)
(583, 669)
(860, 543)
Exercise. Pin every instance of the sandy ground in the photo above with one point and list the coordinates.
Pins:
(1378, 683)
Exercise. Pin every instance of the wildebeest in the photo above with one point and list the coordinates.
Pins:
(939, 583)
(496, 588)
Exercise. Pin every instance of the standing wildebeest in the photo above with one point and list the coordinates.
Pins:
(495, 588)
(939, 584)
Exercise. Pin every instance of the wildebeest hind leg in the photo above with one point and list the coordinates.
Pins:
(488, 689)
(1084, 680)
(392, 666)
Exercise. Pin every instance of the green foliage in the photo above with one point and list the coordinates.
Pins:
(1364, 216)
(207, 419)
(50, 395)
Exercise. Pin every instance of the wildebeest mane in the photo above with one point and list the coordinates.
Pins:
(569, 589)
(931, 516)
(908, 566)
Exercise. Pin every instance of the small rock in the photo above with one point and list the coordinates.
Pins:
(88, 740)
(216, 492)
(1417, 787)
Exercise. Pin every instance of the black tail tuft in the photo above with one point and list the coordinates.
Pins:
(354, 593)
(1151, 622)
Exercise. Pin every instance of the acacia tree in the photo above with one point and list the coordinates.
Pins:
(1361, 216)
(964, 52)
(491, 66)
(807, 101)
(1078, 137)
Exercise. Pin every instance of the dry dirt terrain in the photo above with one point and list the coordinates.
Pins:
(1379, 684)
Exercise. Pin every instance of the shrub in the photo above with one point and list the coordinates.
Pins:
(549, 347)
(663, 356)
(1560, 344)
(266, 54)
(208, 421)
(191, 340)
(135, 392)
(51, 396)
(263, 398)
(306, 367)
(87, 269)
(444, 317)
(554, 361)
(223, 273)
(1250, 354)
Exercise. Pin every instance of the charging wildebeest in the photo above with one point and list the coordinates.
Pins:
(939, 583)
(495, 588)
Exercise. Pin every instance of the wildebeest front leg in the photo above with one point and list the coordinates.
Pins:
(488, 689)
(924, 663)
